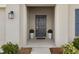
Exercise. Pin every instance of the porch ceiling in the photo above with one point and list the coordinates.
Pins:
(40, 5)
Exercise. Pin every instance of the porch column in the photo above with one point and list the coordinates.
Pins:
(61, 25)
(23, 22)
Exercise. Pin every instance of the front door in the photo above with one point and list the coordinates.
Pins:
(40, 26)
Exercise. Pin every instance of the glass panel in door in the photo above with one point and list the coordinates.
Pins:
(40, 26)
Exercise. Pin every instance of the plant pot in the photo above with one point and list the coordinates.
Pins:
(56, 50)
(50, 35)
(31, 35)
(25, 51)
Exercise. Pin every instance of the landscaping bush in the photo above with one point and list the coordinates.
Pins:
(70, 49)
(10, 48)
(76, 43)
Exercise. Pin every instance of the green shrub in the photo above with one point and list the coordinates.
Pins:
(76, 43)
(70, 49)
(10, 48)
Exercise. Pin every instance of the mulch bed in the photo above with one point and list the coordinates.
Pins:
(25, 51)
(56, 50)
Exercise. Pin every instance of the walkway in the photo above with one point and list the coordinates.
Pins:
(40, 50)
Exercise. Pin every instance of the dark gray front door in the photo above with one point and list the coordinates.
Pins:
(40, 26)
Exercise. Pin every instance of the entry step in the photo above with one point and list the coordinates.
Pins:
(40, 50)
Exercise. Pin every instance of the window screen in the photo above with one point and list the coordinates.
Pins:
(76, 22)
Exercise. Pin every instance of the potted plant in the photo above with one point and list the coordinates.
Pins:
(31, 33)
(50, 34)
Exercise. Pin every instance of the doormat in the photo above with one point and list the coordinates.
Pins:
(25, 51)
(56, 50)
(40, 38)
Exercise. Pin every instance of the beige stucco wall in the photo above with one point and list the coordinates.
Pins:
(23, 26)
(16, 29)
(65, 23)
(72, 8)
(13, 25)
(3, 5)
(49, 11)
(2, 26)
(61, 24)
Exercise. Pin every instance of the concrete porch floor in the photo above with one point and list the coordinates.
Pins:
(40, 43)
